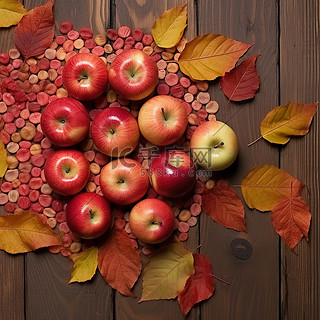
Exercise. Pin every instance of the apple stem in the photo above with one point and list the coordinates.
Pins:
(164, 116)
(120, 181)
(83, 77)
(111, 131)
(219, 144)
(91, 214)
(68, 170)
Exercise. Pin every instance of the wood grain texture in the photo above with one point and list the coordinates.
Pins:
(142, 14)
(253, 293)
(48, 295)
(300, 82)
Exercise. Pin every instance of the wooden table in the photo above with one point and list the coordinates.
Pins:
(275, 282)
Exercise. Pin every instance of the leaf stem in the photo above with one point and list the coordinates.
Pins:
(251, 143)
(220, 279)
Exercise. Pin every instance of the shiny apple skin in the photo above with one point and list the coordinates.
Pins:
(124, 181)
(65, 122)
(133, 74)
(152, 221)
(115, 132)
(172, 173)
(93, 72)
(67, 171)
(86, 224)
(162, 127)
(206, 137)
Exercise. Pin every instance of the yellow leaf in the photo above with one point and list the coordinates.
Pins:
(84, 265)
(266, 185)
(166, 272)
(24, 232)
(209, 56)
(168, 29)
(11, 12)
(3, 159)
(283, 122)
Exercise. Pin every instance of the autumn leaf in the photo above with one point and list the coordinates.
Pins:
(291, 220)
(242, 82)
(224, 206)
(266, 185)
(3, 159)
(166, 272)
(199, 286)
(24, 232)
(84, 265)
(35, 32)
(283, 122)
(209, 56)
(168, 29)
(11, 12)
(119, 262)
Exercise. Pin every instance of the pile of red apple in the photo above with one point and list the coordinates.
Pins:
(162, 121)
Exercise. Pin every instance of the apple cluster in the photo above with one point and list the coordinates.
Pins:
(162, 121)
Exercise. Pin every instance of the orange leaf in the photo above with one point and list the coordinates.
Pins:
(24, 232)
(264, 186)
(35, 31)
(209, 56)
(242, 82)
(199, 286)
(283, 122)
(119, 262)
(224, 206)
(291, 219)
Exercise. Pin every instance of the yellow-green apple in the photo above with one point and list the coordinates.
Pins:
(214, 145)
(172, 173)
(85, 76)
(151, 221)
(133, 74)
(162, 120)
(88, 215)
(67, 171)
(65, 122)
(115, 132)
(124, 181)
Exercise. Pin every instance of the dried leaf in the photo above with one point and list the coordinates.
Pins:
(11, 12)
(265, 186)
(242, 82)
(3, 159)
(119, 262)
(168, 29)
(166, 272)
(199, 287)
(291, 219)
(224, 206)
(35, 31)
(84, 265)
(24, 232)
(283, 122)
(209, 56)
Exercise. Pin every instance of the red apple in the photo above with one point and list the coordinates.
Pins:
(124, 181)
(172, 173)
(67, 171)
(151, 221)
(65, 122)
(88, 215)
(214, 145)
(162, 120)
(115, 132)
(133, 74)
(85, 76)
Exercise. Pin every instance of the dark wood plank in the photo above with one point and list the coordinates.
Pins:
(48, 294)
(11, 266)
(142, 14)
(300, 82)
(254, 289)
